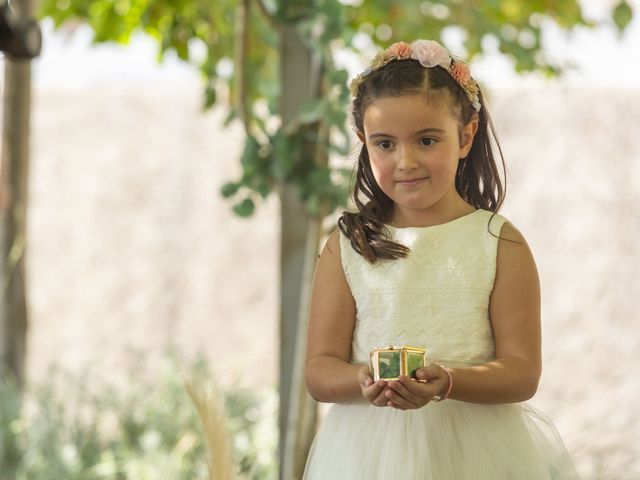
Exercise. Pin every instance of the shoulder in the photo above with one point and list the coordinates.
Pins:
(330, 258)
(509, 233)
(500, 227)
(330, 276)
(332, 245)
(514, 256)
(489, 222)
(507, 245)
(510, 238)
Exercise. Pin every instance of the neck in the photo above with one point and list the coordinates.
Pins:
(442, 212)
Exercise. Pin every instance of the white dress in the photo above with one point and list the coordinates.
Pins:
(436, 298)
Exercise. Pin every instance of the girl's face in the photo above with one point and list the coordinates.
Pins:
(414, 147)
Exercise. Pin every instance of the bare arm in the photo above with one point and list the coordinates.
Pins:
(328, 374)
(514, 311)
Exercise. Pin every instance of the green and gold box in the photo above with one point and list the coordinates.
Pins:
(388, 363)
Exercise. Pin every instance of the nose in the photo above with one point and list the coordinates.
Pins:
(406, 160)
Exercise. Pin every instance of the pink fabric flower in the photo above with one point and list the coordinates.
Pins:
(399, 50)
(430, 54)
(460, 72)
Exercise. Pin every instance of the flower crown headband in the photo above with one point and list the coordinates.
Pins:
(429, 54)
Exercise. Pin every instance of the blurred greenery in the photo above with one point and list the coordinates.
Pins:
(236, 46)
(148, 431)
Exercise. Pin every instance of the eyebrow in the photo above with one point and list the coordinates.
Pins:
(419, 132)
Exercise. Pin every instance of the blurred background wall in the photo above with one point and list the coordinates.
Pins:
(133, 249)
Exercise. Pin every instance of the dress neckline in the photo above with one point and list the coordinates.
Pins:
(439, 225)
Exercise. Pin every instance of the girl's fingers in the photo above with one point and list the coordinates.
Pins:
(366, 382)
(381, 400)
(404, 388)
(419, 388)
(373, 392)
(430, 372)
(394, 399)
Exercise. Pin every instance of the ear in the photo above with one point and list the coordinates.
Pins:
(467, 135)
(360, 136)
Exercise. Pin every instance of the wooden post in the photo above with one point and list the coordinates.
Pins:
(297, 252)
(14, 174)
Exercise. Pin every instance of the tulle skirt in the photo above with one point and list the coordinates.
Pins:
(450, 440)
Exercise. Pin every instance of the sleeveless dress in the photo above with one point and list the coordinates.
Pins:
(436, 298)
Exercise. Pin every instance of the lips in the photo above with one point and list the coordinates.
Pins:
(411, 181)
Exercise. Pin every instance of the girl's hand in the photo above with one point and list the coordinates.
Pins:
(372, 392)
(407, 393)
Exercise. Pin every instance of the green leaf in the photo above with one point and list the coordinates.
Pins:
(229, 189)
(285, 151)
(245, 208)
(272, 104)
(209, 96)
(231, 116)
(622, 15)
(250, 157)
(263, 189)
(182, 50)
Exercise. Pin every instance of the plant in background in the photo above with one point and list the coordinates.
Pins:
(236, 45)
(151, 430)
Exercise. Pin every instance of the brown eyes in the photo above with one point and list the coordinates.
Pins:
(388, 144)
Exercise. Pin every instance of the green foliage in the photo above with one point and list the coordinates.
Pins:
(150, 431)
(622, 15)
(200, 32)
(298, 153)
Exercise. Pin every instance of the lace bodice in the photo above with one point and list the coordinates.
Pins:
(436, 298)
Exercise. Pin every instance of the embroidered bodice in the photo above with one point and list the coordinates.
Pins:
(436, 298)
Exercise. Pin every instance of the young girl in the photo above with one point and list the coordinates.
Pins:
(426, 262)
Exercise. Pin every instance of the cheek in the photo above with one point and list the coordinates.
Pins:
(382, 171)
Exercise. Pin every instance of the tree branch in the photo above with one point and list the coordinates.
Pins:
(240, 62)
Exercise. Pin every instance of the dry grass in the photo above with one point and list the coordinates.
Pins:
(209, 403)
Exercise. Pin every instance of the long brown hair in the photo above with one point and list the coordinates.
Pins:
(477, 179)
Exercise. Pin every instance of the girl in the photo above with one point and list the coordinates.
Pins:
(426, 262)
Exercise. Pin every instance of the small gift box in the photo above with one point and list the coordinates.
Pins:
(388, 363)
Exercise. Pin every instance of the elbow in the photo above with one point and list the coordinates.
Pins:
(312, 388)
(316, 396)
(312, 391)
(529, 392)
(315, 392)
(319, 390)
(529, 381)
(529, 388)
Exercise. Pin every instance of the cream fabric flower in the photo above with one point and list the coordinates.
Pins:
(430, 54)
